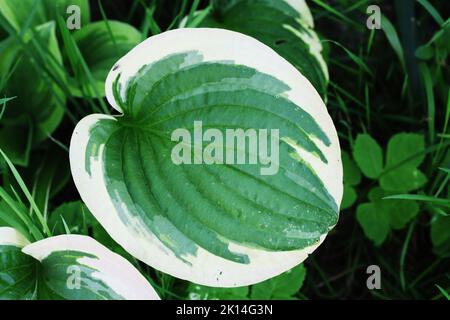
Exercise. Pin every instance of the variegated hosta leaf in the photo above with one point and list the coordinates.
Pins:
(66, 267)
(284, 25)
(218, 222)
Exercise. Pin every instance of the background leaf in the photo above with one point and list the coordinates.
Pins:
(368, 155)
(374, 222)
(101, 45)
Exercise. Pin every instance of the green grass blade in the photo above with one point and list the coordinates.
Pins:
(27, 193)
(339, 15)
(418, 197)
(108, 27)
(3, 102)
(443, 292)
(403, 254)
(21, 214)
(357, 60)
(428, 82)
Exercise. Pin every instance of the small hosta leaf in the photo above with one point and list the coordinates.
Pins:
(368, 155)
(285, 26)
(69, 267)
(171, 183)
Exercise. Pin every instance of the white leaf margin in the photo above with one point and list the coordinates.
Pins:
(203, 268)
(112, 269)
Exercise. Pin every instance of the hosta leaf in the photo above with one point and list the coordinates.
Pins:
(66, 267)
(17, 270)
(217, 222)
(283, 25)
(40, 100)
(368, 155)
(102, 44)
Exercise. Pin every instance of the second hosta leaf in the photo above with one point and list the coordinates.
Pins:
(70, 267)
(284, 25)
(217, 222)
(38, 108)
